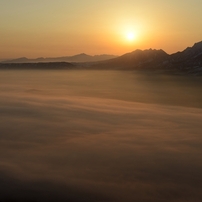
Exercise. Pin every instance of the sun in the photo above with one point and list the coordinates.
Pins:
(130, 36)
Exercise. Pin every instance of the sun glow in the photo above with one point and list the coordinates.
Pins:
(130, 36)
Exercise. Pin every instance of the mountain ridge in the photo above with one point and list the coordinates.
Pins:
(82, 57)
(188, 61)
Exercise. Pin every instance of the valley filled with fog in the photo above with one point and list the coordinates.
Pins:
(82, 135)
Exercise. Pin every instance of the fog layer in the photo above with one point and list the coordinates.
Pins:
(99, 136)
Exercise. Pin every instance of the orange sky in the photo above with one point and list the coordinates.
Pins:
(51, 28)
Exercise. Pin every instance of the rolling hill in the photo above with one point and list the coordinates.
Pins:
(75, 58)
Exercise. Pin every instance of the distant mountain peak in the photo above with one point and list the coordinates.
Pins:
(198, 44)
(82, 54)
(147, 53)
(150, 50)
(82, 57)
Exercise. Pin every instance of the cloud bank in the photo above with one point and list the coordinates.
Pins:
(82, 148)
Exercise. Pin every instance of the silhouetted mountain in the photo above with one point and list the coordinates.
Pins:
(18, 60)
(76, 58)
(187, 61)
(137, 59)
(189, 53)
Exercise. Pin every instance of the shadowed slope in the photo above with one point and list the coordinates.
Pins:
(187, 61)
(139, 59)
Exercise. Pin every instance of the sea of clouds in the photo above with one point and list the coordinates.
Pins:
(62, 142)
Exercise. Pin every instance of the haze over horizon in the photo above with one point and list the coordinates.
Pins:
(52, 29)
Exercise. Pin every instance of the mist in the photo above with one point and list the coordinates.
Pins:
(100, 136)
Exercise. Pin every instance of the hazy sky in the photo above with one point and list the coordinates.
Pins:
(66, 27)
